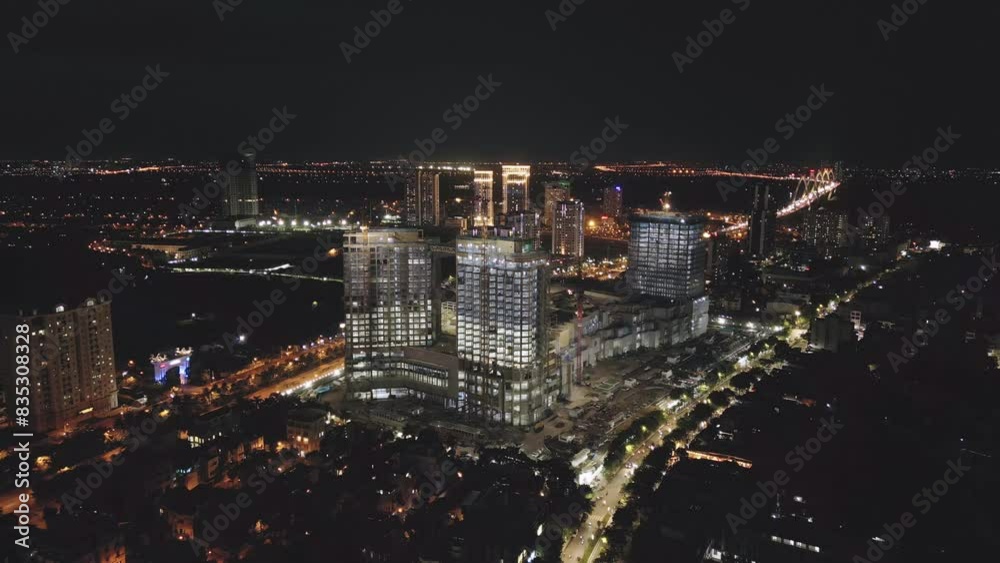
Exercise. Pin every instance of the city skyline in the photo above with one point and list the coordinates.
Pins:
(570, 281)
(896, 116)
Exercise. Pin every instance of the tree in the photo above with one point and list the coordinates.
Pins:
(743, 381)
(701, 412)
(719, 398)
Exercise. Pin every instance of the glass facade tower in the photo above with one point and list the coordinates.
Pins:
(666, 256)
(502, 329)
(388, 297)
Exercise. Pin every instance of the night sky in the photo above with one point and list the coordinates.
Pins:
(609, 58)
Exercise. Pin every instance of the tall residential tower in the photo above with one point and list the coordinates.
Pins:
(423, 198)
(612, 202)
(482, 198)
(241, 197)
(554, 193)
(388, 298)
(567, 229)
(71, 363)
(763, 222)
(502, 315)
(515, 188)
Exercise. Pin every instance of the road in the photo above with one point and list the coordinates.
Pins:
(609, 495)
(301, 380)
(608, 498)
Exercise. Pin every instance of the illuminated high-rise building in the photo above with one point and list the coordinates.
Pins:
(726, 251)
(874, 232)
(482, 203)
(825, 230)
(514, 181)
(502, 323)
(71, 364)
(567, 229)
(554, 193)
(666, 255)
(612, 202)
(388, 298)
(525, 225)
(423, 198)
(763, 222)
(241, 199)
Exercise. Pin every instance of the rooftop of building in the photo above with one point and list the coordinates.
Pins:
(671, 217)
(56, 309)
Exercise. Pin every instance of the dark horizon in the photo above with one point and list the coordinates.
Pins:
(604, 60)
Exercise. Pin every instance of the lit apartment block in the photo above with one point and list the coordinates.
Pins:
(515, 188)
(241, 195)
(388, 298)
(826, 230)
(502, 329)
(612, 202)
(71, 364)
(567, 229)
(482, 207)
(525, 225)
(554, 193)
(423, 198)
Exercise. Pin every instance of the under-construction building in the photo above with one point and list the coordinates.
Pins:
(502, 297)
(388, 298)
